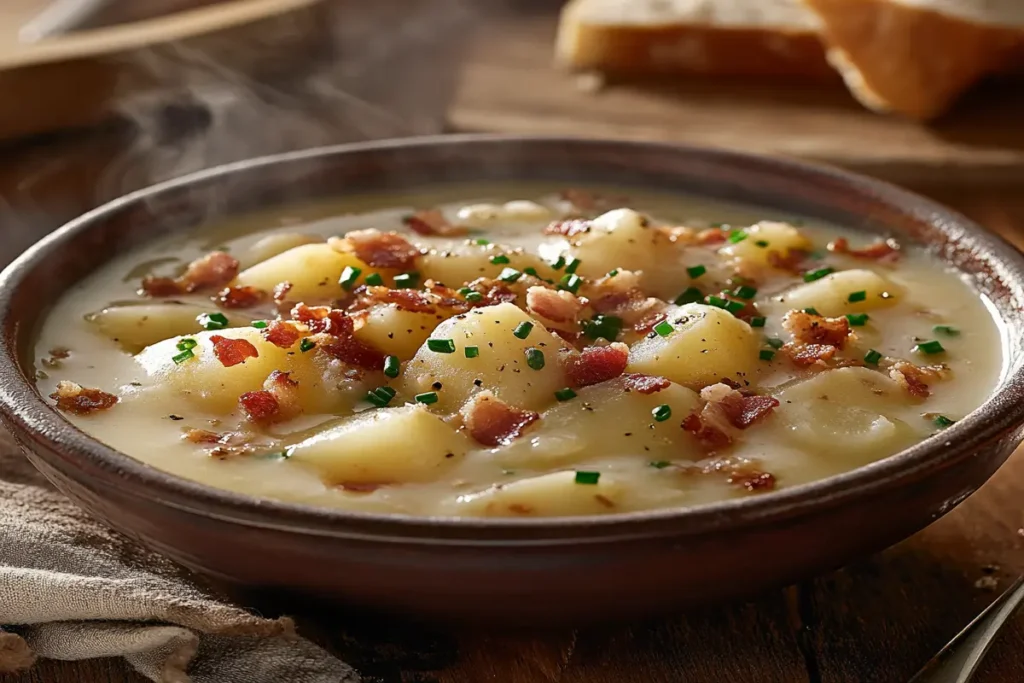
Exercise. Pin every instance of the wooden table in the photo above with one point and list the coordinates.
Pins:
(877, 620)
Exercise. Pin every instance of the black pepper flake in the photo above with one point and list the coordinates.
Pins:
(449, 455)
(628, 434)
(478, 382)
(436, 386)
(176, 417)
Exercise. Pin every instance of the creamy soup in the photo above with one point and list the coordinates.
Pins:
(527, 353)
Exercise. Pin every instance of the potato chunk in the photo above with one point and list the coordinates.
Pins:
(388, 446)
(467, 262)
(205, 381)
(551, 495)
(621, 238)
(706, 345)
(499, 366)
(136, 327)
(312, 269)
(763, 239)
(398, 332)
(830, 295)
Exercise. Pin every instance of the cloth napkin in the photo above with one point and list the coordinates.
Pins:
(72, 589)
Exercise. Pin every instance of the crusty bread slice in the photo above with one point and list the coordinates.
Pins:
(915, 57)
(720, 37)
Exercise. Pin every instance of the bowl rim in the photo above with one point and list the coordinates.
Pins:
(25, 409)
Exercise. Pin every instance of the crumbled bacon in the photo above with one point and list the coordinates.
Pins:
(914, 379)
(284, 389)
(704, 427)
(493, 292)
(568, 228)
(808, 329)
(738, 472)
(792, 260)
(492, 422)
(281, 334)
(281, 290)
(711, 236)
(74, 398)
(596, 364)
(809, 354)
(231, 352)
(324, 320)
(404, 299)
(381, 249)
(632, 306)
(726, 410)
(260, 407)
(554, 306)
(645, 384)
(753, 480)
(432, 223)
(240, 297)
(351, 351)
(884, 250)
(201, 436)
(216, 269)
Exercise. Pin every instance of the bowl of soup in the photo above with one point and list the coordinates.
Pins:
(516, 378)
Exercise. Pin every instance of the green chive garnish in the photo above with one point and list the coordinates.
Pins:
(761, 243)
(716, 301)
(606, 326)
(535, 358)
(186, 344)
(613, 273)
(374, 280)
(572, 264)
(872, 357)
(260, 324)
(212, 321)
(737, 236)
(474, 297)
(183, 356)
(664, 328)
(407, 280)
(472, 351)
(857, 296)
(381, 396)
(659, 464)
(758, 321)
(480, 241)
(696, 271)
(818, 274)
(306, 344)
(509, 275)
(587, 477)
(774, 343)
(857, 319)
(744, 292)
(349, 276)
(464, 290)
(392, 366)
(523, 330)
(929, 347)
(662, 412)
(942, 422)
(565, 394)
(427, 398)
(946, 330)
(811, 311)
(691, 296)
(530, 270)
(766, 354)
(441, 345)
(570, 283)
(558, 263)
(729, 305)
(499, 259)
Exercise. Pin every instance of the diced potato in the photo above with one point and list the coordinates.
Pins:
(846, 412)
(621, 238)
(500, 366)
(205, 381)
(387, 446)
(551, 495)
(830, 295)
(706, 345)
(781, 238)
(482, 215)
(274, 244)
(398, 332)
(136, 327)
(606, 418)
(313, 270)
(467, 262)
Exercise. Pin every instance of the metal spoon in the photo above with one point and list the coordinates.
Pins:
(958, 661)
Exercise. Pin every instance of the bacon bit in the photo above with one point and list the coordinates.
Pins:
(521, 508)
(596, 364)
(231, 352)
(281, 290)
(493, 292)
(635, 308)
(351, 351)
(492, 422)
(809, 354)
(914, 379)
(557, 307)
(738, 471)
(568, 228)
(754, 481)
(571, 338)
(807, 328)
(792, 260)
(711, 236)
(59, 353)
(645, 384)
(702, 426)
(432, 223)
(360, 486)
(260, 407)
(382, 249)
(749, 310)
(404, 299)
(201, 436)
(285, 390)
(281, 334)
(741, 410)
(884, 250)
(74, 398)
(216, 269)
(240, 297)
(324, 320)
(648, 322)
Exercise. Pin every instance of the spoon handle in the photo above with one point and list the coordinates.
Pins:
(959, 659)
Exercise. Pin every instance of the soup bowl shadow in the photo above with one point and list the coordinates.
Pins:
(513, 570)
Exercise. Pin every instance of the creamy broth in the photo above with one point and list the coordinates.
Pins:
(498, 413)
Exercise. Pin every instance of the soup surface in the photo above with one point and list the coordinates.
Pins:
(558, 355)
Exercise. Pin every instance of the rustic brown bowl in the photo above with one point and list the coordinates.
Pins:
(521, 570)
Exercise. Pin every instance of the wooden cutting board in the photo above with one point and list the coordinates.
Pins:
(509, 85)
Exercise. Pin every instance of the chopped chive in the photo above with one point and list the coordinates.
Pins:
(472, 351)
(441, 345)
(306, 344)
(464, 290)
(186, 344)
(385, 391)
(737, 236)
(587, 477)
(810, 310)
(946, 330)
(613, 272)
(857, 296)
(774, 342)
(183, 356)
(729, 305)
(696, 271)
(349, 276)
(690, 296)
(380, 397)
(499, 259)
(872, 357)
(818, 274)
(523, 329)
(857, 319)
(572, 264)
(942, 422)
(427, 398)
(565, 394)
(212, 321)
(530, 270)
(535, 358)
(659, 464)
(481, 242)
(474, 297)
(603, 326)
(570, 283)
(374, 280)
(716, 301)
(558, 263)
(509, 275)
(929, 347)
(392, 366)
(260, 324)
(758, 321)
(766, 354)
(664, 328)
(744, 292)
(662, 412)
(761, 243)
(407, 280)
